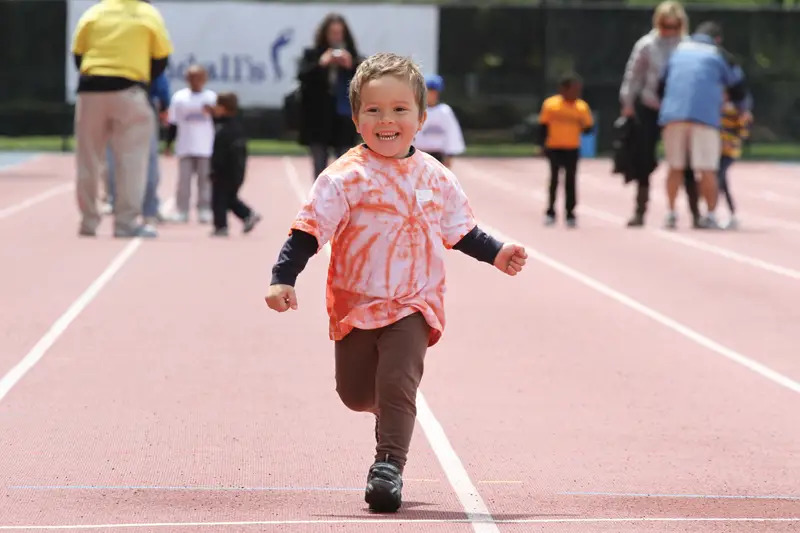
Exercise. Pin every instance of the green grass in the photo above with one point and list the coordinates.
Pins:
(256, 147)
(761, 151)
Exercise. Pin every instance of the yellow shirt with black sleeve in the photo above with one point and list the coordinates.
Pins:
(119, 43)
(564, 121)
(733, 129)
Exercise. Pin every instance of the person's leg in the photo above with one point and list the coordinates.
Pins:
(649, 133)
(151, 203)
(401, 356)
(705, 149)
(319, 156)
(219, 205)
(340, 150)
(203, 167)
(676, 145)
(110, 177)
(725, 163)
(132, 127)
(91, 135)
(554, 159)
(570, 185)
(692, 197)
(356, 358)
(183, 193)
(243, 211)
(356, 366)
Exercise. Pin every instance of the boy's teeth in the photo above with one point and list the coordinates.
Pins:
(387, 136)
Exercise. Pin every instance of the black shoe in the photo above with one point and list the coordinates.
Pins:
(636, 221)
(251, 221)
(384, 487)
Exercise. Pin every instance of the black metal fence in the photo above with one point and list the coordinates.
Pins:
(498, 62)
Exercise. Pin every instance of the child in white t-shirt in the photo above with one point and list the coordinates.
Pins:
(441, 134)
(192, 128)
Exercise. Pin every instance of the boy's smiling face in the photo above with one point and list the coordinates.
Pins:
(389, 116)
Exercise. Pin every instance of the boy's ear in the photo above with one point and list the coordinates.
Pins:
(423, 119)
(355, 121)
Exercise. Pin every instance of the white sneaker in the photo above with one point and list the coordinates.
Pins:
(711, 221)
(733, 223)
(179, 217)
(204, 216)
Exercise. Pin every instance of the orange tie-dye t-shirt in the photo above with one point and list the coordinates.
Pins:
(389, 223)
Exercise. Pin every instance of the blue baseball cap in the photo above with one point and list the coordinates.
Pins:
(435, 82)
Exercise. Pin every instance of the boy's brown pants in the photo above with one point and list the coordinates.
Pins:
(379, 371)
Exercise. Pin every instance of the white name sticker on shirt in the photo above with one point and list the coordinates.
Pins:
(424, 195)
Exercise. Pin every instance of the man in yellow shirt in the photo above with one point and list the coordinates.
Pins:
(563, 118)
(119, 47)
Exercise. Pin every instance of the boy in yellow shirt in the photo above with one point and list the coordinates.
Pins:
(563, 118)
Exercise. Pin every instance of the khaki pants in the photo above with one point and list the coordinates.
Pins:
(379, 371)
(125, 120)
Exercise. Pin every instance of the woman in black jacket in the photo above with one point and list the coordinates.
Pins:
(325, 72)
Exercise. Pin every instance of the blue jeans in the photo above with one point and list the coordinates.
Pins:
(151, 202)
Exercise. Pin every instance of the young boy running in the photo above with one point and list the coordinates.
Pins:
(390, 212)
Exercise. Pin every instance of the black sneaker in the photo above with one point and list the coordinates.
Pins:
(251, 221)
(384, 487)
(636, 221)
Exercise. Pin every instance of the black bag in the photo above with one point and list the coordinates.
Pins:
(292, 107)
(624, 149)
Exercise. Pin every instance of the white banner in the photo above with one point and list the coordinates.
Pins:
(253, 48)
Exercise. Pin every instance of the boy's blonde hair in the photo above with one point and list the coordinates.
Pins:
(388, 64)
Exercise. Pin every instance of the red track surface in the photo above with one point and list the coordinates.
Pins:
(172, 395)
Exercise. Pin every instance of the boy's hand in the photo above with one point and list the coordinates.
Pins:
(281, 298)
(510, 259)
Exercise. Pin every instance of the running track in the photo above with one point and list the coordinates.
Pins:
(626, 381)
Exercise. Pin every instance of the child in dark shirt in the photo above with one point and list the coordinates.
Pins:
(228, 163)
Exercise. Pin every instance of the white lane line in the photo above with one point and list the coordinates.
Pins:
(662, 319)
(390, 521)
(59, 326)
(686, 496)
(772, 196)
(671, 236)
(6, 212)
(475, 508)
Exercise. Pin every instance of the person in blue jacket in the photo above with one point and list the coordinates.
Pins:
(159, 98)
(692, 86)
